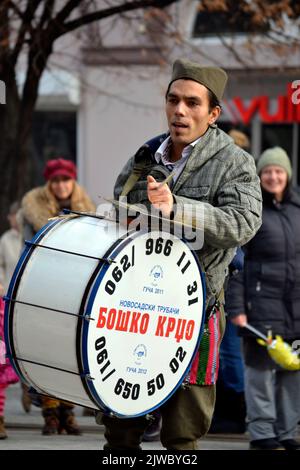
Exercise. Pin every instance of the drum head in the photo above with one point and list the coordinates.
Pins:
(145, 315)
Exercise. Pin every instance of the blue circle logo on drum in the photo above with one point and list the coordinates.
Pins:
(140, 353)
(157, 274)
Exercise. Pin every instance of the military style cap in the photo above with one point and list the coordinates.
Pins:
(213, 78)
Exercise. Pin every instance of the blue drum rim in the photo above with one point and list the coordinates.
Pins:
(83, 352)
(11, 293)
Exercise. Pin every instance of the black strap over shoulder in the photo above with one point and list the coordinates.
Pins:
(142, 158)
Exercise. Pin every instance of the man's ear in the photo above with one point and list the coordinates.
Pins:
(214, 114)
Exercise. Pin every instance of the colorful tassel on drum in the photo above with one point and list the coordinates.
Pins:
(205, 367)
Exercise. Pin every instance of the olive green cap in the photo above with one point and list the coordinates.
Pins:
(213, 78)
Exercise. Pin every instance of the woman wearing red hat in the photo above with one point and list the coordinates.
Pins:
(60, 192)
(38, 205)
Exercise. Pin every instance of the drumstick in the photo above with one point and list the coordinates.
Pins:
(143, 212)
(167, 180)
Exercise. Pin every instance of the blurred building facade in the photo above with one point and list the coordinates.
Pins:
(113, 102)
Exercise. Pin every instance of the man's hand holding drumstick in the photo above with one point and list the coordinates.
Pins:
(159, 194)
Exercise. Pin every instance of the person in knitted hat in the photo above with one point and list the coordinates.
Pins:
(38, 205)
(266, 295)
(194, 168)
(275, 170)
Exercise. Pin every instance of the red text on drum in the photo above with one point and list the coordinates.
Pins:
(137, 322)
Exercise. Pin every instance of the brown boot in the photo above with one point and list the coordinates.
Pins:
(88, 412)
(67, 421)
(3, 434)
(26, 400)
(51, 421)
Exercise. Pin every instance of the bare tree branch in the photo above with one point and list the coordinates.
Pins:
(47, 13)
(4, 38)
(66, 11)
(26, 25)
(233, 51)
(61, 29)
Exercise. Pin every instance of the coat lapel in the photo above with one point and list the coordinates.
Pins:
(209, 144)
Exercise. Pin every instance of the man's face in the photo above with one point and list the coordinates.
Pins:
(187, 110)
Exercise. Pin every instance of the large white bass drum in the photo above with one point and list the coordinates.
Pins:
(102, 317)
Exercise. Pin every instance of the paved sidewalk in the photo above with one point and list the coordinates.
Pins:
(15, 416)
(24, 431)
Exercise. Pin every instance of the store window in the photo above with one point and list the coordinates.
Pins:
(278, 135)
(54, 135)
(233, 21)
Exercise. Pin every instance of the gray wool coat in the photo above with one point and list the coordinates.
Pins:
(218, 191)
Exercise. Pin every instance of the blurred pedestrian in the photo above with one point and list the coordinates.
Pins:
(38, 205)
(7, 373)
(267, 295)
(10, 247)
(240, 138)
(230, 409)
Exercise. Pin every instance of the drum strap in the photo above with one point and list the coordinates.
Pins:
(141, 160)
(221, 296)
(133, 178)
(215, 303)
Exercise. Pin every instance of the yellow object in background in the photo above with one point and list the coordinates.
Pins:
(281, 352)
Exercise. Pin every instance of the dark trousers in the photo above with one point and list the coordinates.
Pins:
(186, 417)
(231, 371)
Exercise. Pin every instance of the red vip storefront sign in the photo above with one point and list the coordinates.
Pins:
(286, 111)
